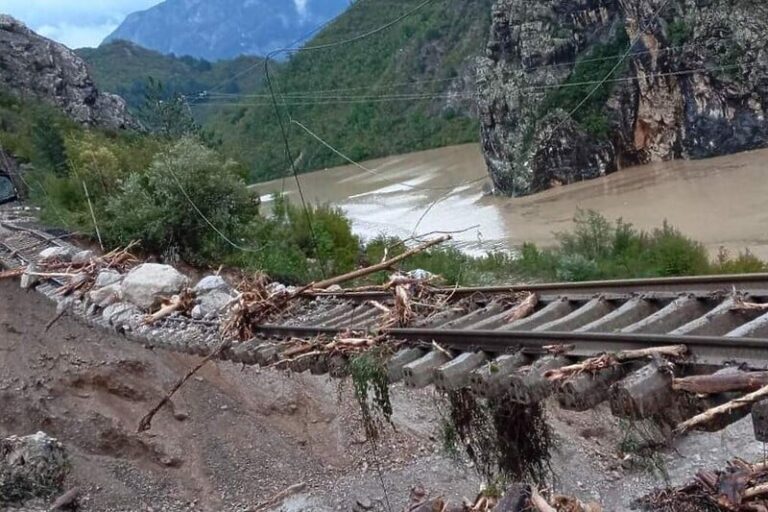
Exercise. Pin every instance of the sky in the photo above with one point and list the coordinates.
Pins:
(75, 23)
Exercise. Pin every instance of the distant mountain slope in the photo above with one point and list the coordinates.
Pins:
(224, 29)
(123, 68)
(407, 88)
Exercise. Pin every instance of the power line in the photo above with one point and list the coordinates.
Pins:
(472, 96)
(289, 157)
(325, 92)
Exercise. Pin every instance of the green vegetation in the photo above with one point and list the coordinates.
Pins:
(679, 32)
(370, 381)
(124, 68)
(600, 249)
(388, 89)
(594, 67)
(144, 187)
(432, 47)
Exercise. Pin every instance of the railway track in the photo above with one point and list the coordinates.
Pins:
(469, 342)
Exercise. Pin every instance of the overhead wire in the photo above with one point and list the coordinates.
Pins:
(283, 132)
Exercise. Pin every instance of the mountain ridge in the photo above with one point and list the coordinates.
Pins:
(226, 30)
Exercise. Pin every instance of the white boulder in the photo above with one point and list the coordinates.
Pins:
(147, 284)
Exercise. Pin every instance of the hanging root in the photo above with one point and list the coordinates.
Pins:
(507, 441)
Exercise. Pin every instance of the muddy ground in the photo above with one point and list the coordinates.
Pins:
(234, 436)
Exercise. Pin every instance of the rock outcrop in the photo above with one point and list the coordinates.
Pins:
(32, 66)
(571, 90)
(31, 467)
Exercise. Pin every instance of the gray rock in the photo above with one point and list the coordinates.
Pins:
(197, 312)
(212, 283)
(147, 284)
(27, 279)
(213, 303)
(83, 257)
(120, 314)
(106, 296)
(36, 67)
(107, 277)
(31, 467)
(55, 253)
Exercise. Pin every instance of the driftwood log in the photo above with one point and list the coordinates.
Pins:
(721, 382)
(714, 413)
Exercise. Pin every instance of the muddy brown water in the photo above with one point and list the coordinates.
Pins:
(719, 201)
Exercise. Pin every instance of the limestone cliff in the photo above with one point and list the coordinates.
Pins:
(32, 66)
(574, 89)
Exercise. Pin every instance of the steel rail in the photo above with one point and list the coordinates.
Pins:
(704, 349)
(723, 282)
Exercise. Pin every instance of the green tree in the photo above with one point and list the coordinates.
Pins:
(188, 202)
(167, 114)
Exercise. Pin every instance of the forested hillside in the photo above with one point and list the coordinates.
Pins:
(407, 88)
(124, 68)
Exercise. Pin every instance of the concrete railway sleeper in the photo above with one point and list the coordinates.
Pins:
(478, 348)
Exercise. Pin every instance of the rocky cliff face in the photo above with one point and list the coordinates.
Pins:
(35, 67)
(559, 103)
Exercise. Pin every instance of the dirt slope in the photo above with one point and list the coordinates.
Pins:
(234, 436)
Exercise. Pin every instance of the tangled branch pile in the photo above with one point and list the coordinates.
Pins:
(507, 441)
(740, 487)
(79, 276)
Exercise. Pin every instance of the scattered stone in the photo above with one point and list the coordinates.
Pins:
(212, 303)
(55, 253)
(120, 313)
(181, 416)
(83, 257)
(28, 280)
(107, 277)
(31, 467)
(146, 285)
(210, 284)
(197, 312)
(364, 503)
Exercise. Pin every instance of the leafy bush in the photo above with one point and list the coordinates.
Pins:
(187, 202)
(598, 249)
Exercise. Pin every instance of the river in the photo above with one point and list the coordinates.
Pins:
(719, 201)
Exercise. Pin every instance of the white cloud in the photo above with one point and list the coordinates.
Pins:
(77, 36)
(75, 23)
(301, 8)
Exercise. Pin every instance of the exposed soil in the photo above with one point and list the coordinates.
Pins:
(235, 436)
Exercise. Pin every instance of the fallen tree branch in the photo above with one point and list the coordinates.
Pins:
(381, 266)
(540, 504)
(596, 364)
(146, 422)
(54, 320)
(180, 302)
(721, 382)
(711, 414)
(523, 309)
